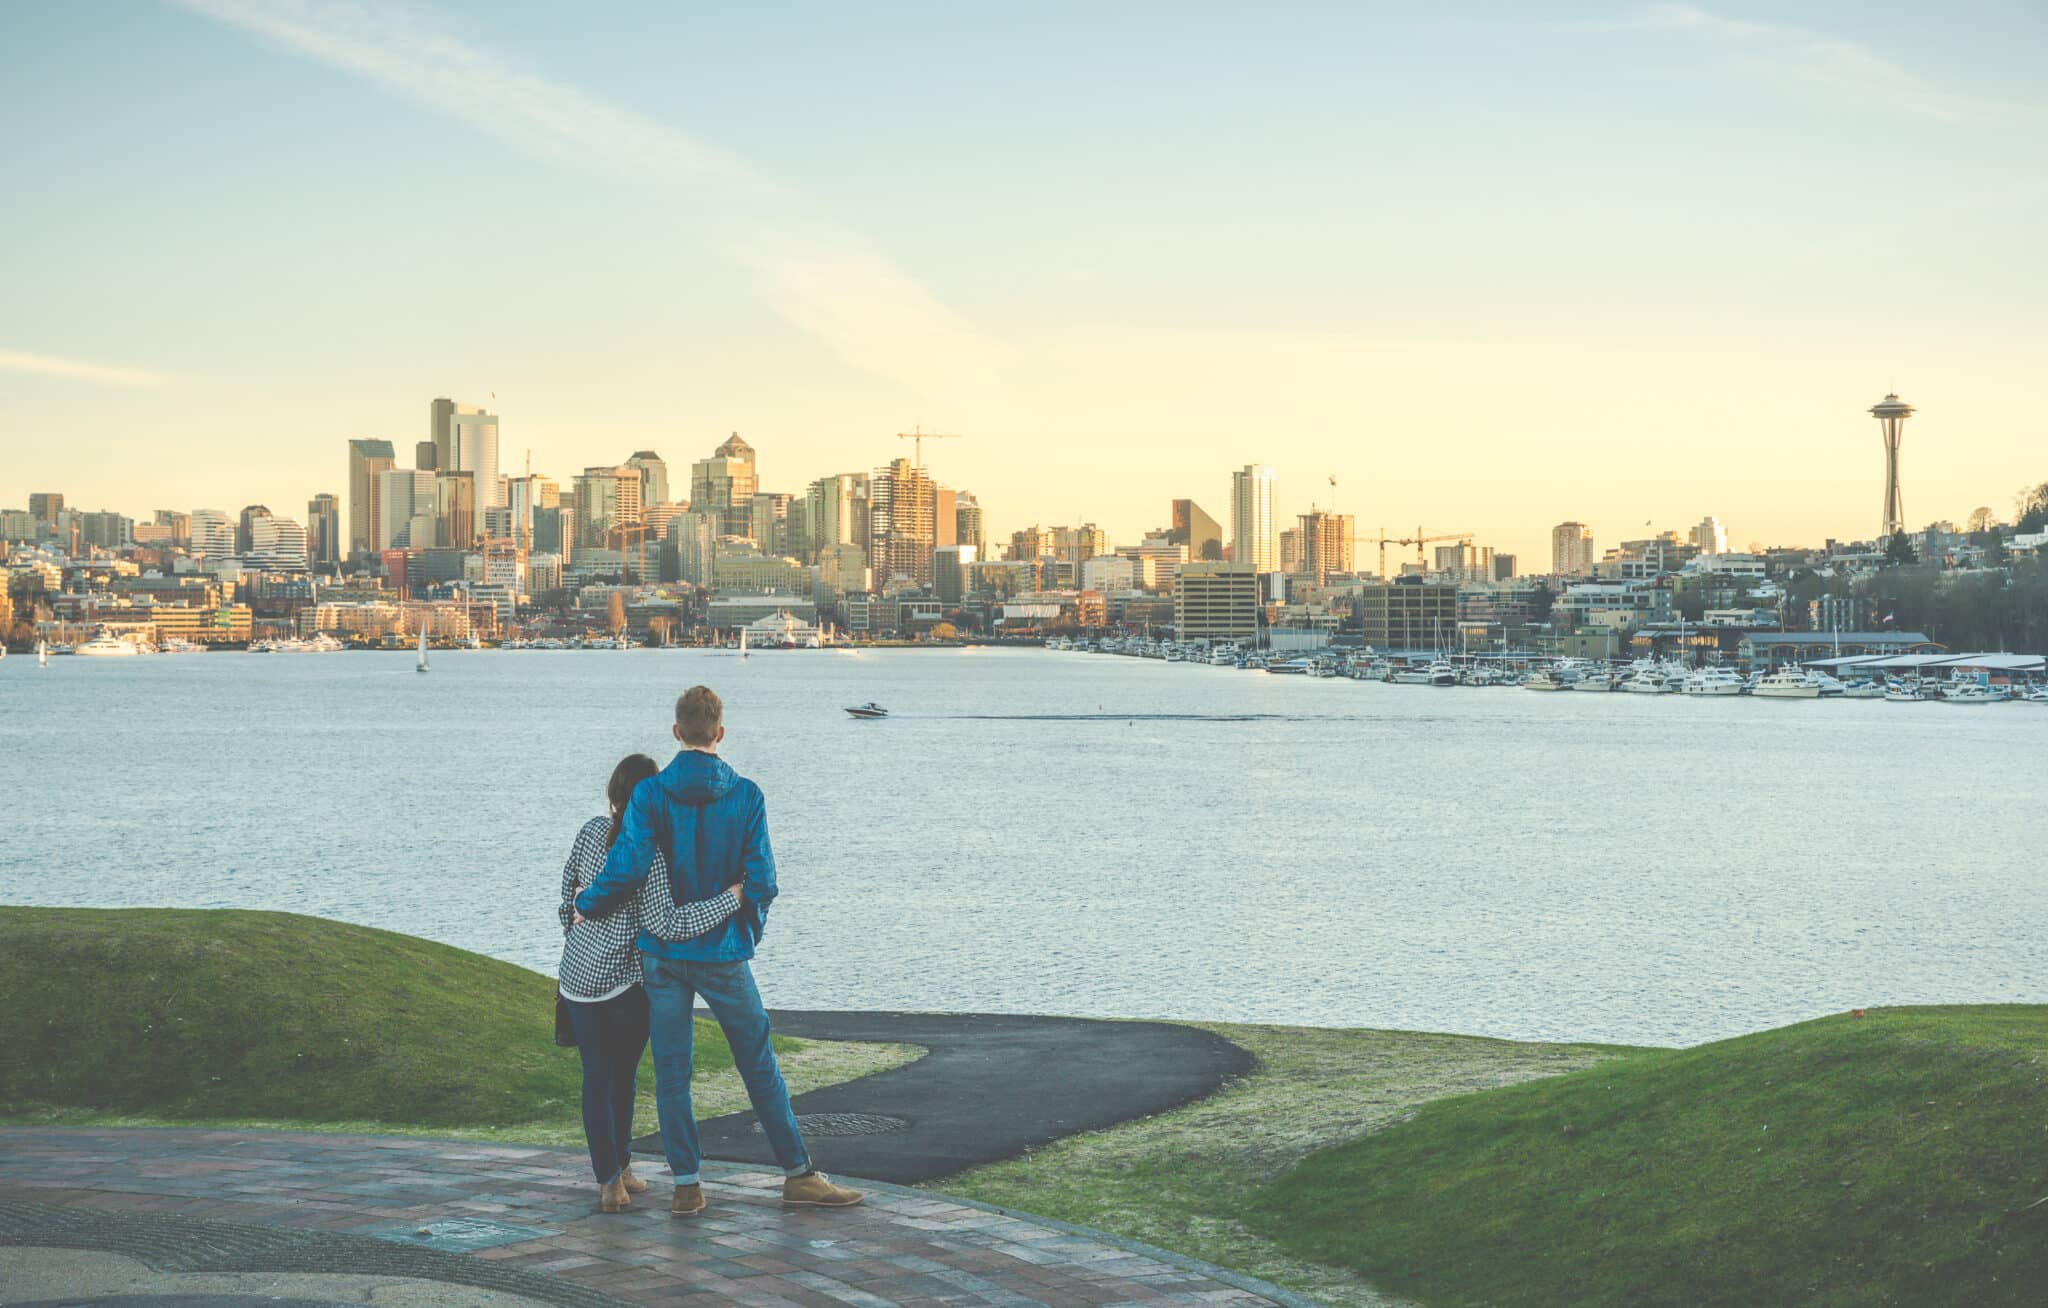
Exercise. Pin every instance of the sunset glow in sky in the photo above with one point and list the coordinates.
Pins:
(1624, 263)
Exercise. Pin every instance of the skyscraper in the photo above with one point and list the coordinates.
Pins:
(44, 506)
(245, 532)
(653, 477)
(275, 545)
(404, 496)
(901, 533)
(1202, 534)
(967, 524)
(725, 484)
(1571, 549)
(606, 500)
(365, 460)
(466, 440)
(836, 513)
(455, 509)
(323, 531)
(1251, 517)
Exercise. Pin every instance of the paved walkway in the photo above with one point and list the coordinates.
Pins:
(521, 1223)
(991, 1087)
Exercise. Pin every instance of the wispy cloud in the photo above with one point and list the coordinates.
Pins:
(1845, 70)
(96, 374)
(824, 279)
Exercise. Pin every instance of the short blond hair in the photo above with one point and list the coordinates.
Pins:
(699, 715)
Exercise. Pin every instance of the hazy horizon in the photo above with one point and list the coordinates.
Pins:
(1625, 264)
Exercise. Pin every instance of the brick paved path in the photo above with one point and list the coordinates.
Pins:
(532, 1210)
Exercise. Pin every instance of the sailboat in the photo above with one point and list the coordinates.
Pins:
(42, 653)
(423, 648)
(743, 642)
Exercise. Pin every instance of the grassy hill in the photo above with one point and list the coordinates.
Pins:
(189, 1015)
(1895, 1158)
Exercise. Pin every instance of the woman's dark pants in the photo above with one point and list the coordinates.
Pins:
(611, 1036)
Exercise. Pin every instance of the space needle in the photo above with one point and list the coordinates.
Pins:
(1891, 414)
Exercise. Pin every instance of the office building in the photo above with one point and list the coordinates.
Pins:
(836, 513)
(1325, 545)
(245, 535)
(275, 545)
(945, 516)
(455, 508)
(366, 459)
(1290, 551)
(404, 495)
(689, 547)
(1408, 615)
(323, 531)
(466, 440)
(213, 535)
(1571, 549)
(44, 506)
(176, 526)
(842, 571)
(1217, 602)
(1251, 517)
(653, 476)
(952, 565)
(1111, 574)
(725, 484)
(1504, 567)
(1195, 531)
(606, 500)
(768, 522)
(901, 533)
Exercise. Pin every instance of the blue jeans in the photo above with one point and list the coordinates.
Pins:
(610, 1035)
(728, 991)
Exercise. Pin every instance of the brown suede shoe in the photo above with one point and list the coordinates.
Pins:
(633, 1184)
(687, 1201)
(612, 1198)
(815, 1190)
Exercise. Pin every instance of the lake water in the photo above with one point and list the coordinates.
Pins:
(1094, 835)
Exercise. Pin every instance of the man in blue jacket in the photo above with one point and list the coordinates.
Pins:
(711, 826)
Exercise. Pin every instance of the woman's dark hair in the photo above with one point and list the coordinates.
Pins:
(631, 771)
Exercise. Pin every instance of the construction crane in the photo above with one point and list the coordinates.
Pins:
(1418, 540)
(920, 436)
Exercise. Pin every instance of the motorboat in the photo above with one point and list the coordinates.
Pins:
(1905, 692)
(1592, 679)
(1441, 673)
(1542, 679)
(105, 647)
(869, 710)
(1788, 683)
(1972, 692)
(1863, 690)
(1648, 681)
(1711, 681)
(421, 666)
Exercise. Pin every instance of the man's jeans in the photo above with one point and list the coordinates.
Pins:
(728, 991)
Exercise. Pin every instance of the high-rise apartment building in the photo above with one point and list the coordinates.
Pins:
(44, 506)
(323, 531)
(901, 532)
(1571, 549)
(836, 513)
(405, 496)
(366, 459)
(1217, 602)
(177, 526)
(946, 515)
(606, 500)
(1200, 533)
(1325, 545)
(466, 440)
(653, 477)
(1290, 551)
(245, 533)
(1077, 545)
(967, 524)
(725, 484)
(1710, 537)
(1251, 517)
(951, 567)
(689, 547)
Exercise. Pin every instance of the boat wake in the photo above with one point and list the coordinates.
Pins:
(1141, 717)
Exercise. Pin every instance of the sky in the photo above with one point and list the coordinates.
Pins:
(1626, 264)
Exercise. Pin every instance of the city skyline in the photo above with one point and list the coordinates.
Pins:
(1410, 288)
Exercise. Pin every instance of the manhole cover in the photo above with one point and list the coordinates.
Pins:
(462, 1234)
(830, 1124)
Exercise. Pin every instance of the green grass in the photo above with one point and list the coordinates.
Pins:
(1895, 1158)
(175, 1016)
(1184, 1180)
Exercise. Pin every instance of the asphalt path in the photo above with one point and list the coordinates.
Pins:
(992, 1087)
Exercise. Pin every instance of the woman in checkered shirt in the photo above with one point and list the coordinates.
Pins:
(600, 978)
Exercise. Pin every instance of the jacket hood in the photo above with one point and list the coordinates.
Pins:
(696, 778)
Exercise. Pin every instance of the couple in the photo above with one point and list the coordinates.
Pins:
(648, 930)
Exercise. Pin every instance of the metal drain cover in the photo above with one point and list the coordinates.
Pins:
(831, 1124)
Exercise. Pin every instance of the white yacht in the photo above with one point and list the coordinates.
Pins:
(1648, 679)
(1711, 681)
(1905, 692)
(1972, 692)
(1592, 678)
(1863, 690)
(1788, 683)
(108, 647)
(1441, 673)
(1542, 679)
